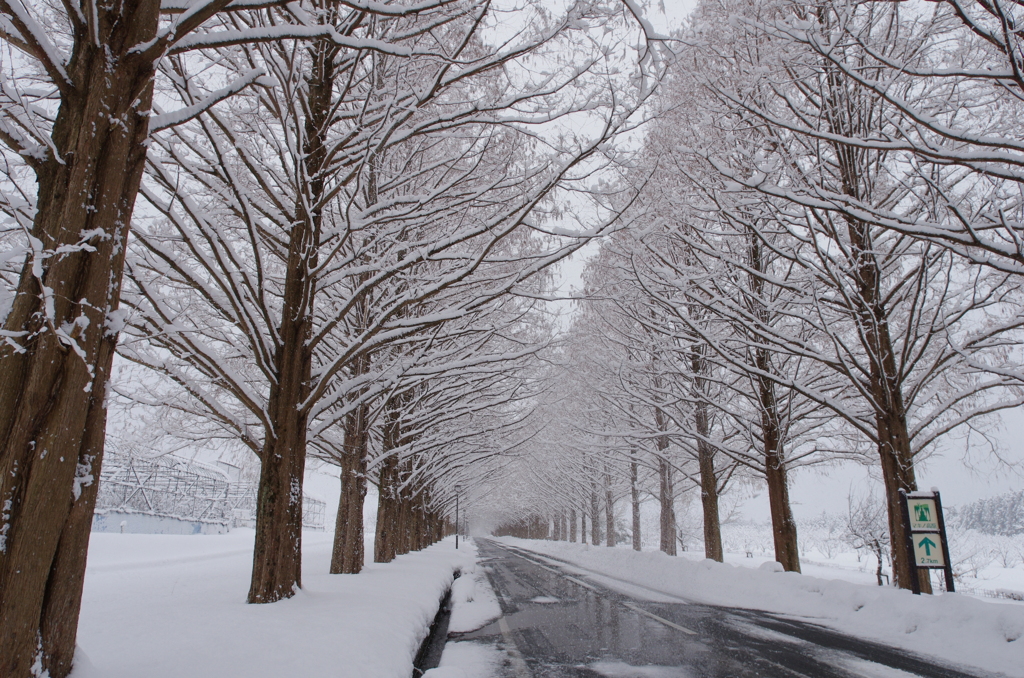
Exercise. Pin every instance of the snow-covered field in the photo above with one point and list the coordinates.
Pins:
(960, 629)
(170, 606)
(983, 563)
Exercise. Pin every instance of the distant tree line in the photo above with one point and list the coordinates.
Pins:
(1000, 515)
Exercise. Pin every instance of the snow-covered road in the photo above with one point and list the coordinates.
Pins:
(598, 611)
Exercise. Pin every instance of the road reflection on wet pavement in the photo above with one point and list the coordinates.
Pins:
(559, 624)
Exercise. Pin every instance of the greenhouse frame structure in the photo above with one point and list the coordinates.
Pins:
(172, 488)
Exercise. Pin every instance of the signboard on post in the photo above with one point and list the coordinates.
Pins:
(926, 534)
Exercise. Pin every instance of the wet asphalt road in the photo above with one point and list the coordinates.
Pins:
(561, 624)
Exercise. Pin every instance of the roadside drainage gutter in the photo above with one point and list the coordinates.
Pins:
(429, 655)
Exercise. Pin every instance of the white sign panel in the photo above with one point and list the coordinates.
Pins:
(928, 550)
(923, 515)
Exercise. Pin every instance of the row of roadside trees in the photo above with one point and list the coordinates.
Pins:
(824, 264)
(307, 228)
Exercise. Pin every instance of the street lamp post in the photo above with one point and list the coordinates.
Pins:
(457, 489)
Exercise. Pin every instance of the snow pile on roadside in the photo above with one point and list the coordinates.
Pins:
(474, 603)
(956, 628)
(468, 660)
(167, 606)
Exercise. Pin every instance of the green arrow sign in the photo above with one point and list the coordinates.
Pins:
(928, 550)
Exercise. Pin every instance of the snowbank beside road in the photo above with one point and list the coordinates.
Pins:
(474, 604)
(168, 606)
(955, 628)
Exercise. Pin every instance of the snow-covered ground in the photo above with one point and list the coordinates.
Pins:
(170, 606)
(983, 563)
(960, 629)
(845, 566)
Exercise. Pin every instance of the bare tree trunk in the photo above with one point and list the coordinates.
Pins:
(413, 526)
(897, 474)
(416, 533)
(437, 531)
(277, 556)
(418, 523)
(706, 460)
(890, 413)
(666, 492)
(404, 528)
(668, 512)
(595, 515)
(52, 410)
(876, 548)
(854, 165)
(609, 509)
(783, 525)
(572, 526)
(389, 497)
(634, 497)
(709, 502)
(583, 525)
(387, 512)
(348, 554)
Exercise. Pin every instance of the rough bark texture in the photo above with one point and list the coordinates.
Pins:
(783, 525)
(666, 496)
(897, 474)
(387, 512)
(595, 515)
(347, 554)
(709, 502)
(572, 526)
(666, 491)
(277, 556)
(389, 496)
(706, 460)
(609, 509)
(634, 498)
(583, 525)
(52, 410)
(404, 525)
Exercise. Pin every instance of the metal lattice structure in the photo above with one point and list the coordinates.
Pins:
(166, 487)
(174, 488)
(241, 502)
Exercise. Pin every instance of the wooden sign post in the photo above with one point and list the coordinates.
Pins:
(925, 529)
